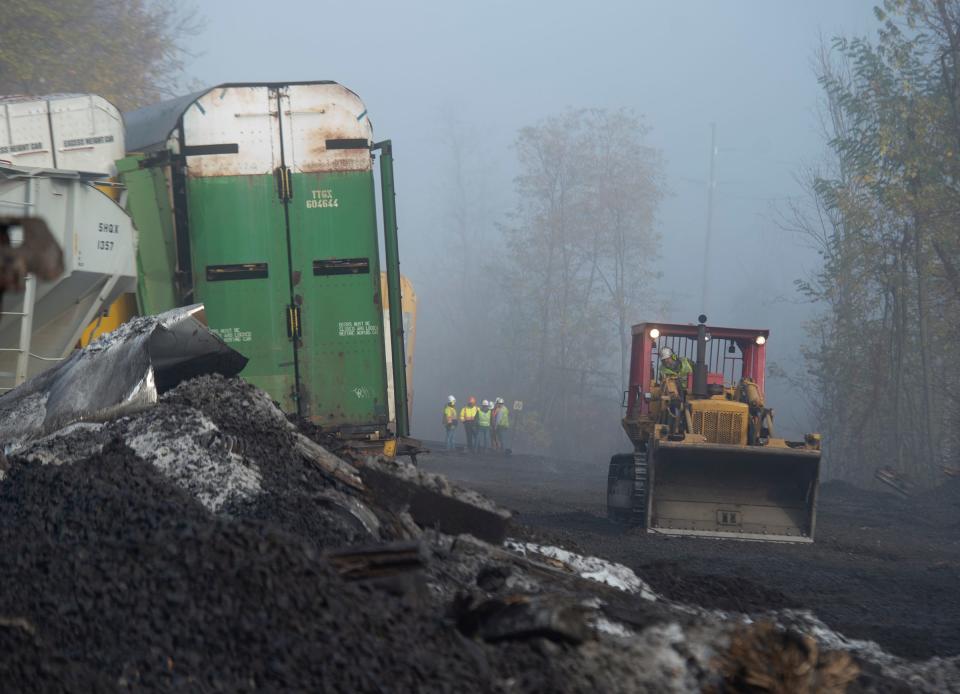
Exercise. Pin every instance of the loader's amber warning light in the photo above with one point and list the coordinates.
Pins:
(654, 333)
(761, 339)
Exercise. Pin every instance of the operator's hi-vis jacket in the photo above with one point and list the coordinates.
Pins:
(468, 414)
(449, 416)
(685, 369)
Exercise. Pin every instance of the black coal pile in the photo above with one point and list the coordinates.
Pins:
(295, 492)
(226, 444)
(205, 544)
(114, 578)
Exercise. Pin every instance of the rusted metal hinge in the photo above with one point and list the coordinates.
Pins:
(284, 183)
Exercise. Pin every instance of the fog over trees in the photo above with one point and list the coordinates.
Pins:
(581, 266)
(549, 202)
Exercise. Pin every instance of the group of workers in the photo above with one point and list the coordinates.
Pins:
(487, 425)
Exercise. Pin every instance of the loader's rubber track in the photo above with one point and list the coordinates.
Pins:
(633, 467)
(640, 488)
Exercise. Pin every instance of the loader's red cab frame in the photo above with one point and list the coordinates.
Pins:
(732, 354)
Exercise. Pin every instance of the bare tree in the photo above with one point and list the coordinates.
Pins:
(583, 251)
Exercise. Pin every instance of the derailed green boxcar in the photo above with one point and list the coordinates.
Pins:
(258, 200)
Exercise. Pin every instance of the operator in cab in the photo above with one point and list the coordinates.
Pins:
(672, 365)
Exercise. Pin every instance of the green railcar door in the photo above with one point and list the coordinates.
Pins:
(241, 274)
(238, 236)
(336, 274)
(336, 271)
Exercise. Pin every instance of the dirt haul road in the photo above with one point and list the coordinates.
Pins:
(881, 569)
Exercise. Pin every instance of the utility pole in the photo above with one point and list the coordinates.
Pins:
(711, 186)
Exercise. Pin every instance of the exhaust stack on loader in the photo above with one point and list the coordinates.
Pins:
(705, 459)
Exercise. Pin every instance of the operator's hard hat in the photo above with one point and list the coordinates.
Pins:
(485, 403)
(499, 401)
(451, 399)
(471, 400)
(666, 353)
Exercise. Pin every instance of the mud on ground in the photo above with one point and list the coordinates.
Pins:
(881, 569)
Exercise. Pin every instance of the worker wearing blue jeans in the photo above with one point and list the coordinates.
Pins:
(483, 426)
(501, 422)
(450, 420)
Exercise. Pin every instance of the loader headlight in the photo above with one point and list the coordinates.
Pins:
(654, 333)
(761, 340)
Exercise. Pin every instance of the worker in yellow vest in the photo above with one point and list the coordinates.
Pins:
(494, 429)
(468, 415)
(501, 426)
(483, 427)
(450, 420)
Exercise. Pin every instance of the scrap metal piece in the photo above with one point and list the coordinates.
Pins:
(373, 561)
(559, 618)
(181, 347)
(433, 505)
(122, 372)
(395, 567)
(332, 466)
(894, 480)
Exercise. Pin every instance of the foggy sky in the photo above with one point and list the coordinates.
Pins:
(497, 66)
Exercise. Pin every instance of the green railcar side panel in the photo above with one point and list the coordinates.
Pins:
(336, 274)
(148, 202)
(237, 234)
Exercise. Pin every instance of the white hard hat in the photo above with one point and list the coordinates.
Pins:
(500, 401)
(451, 399)
(666, 352)
(485, 403)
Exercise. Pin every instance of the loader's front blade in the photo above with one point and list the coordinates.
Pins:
(744, 492)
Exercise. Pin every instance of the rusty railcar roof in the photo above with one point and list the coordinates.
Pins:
(149, 128)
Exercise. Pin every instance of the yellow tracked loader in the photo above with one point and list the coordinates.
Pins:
(705, 459)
